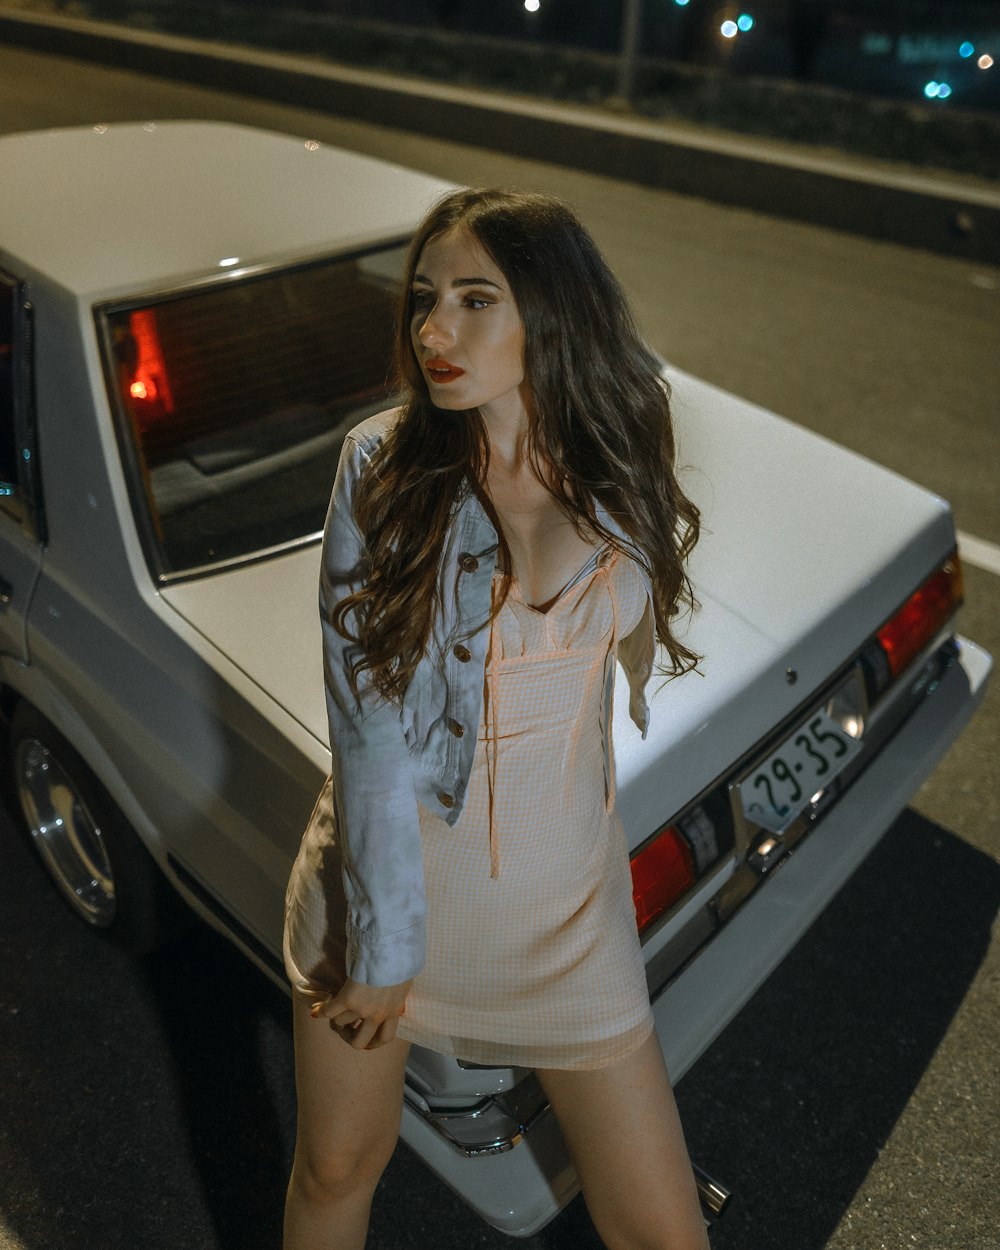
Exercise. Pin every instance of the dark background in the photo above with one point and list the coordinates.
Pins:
(883, 47)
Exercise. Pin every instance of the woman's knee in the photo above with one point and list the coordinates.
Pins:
(331, 1174)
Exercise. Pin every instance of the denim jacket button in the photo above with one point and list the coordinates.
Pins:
(462, 653)
(467, 563)
(446, 800)
(457, 729)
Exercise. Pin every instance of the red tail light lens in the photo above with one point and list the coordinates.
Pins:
(662, 872)
(923, 615)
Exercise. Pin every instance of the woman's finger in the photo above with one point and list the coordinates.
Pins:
(345, 1018)
(360, 1036)
(385, 1033)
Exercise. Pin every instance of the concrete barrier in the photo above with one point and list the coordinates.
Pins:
(957, 216)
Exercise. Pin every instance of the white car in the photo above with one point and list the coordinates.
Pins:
(191, 316)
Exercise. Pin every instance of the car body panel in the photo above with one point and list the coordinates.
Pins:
(257, 642)
(262, 199)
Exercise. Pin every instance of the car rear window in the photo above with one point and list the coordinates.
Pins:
(233, 402)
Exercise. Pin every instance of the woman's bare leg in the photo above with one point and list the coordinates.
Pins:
(349, 1108)
(623, 1131)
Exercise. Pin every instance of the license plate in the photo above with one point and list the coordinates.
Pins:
(784, 784)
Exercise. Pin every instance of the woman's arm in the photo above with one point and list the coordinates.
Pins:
(374, 802)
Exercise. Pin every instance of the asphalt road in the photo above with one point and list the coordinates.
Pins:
(852, 1105)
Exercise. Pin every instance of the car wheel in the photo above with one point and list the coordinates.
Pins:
(94, 858)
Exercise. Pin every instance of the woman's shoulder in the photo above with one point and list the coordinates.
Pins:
(368, 434)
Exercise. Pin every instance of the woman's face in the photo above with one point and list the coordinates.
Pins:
(465, 328)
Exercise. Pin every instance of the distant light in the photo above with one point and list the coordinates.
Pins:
(138, 390)
(228, 261)
(311, 145)
(682, 3)
(944, 91)
(101, 128)
(729, 30)
(532, 5)
(931, 89)
(745, 22)
(985, 61)
(966, 49)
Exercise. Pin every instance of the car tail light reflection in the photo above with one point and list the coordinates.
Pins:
(923, 615)
(148, 386)
(662, 872)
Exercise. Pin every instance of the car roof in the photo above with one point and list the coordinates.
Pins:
(105, 210)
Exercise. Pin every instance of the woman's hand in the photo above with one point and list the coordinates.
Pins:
(365, 1016)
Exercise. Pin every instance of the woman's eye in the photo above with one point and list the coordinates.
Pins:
(422, 299)
(477, 301)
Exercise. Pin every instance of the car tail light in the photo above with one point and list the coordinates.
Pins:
(148, 386)
(663, 870)
(923, 615)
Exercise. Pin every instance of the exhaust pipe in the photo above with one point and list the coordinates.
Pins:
(714, 1197)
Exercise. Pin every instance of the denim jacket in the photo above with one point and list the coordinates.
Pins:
(385, 757)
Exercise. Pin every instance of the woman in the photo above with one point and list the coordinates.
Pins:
(491, 547)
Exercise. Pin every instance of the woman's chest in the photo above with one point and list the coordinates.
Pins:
(545, 548)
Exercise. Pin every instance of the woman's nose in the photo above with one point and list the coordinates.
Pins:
(437, 328)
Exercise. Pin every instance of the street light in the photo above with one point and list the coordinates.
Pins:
(631, 26)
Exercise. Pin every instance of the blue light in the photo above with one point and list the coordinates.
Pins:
(729, 30)
(966, 49)
(937, 90)
(682, 3)
(745, 22)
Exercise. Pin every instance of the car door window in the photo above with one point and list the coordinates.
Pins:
(20, 485)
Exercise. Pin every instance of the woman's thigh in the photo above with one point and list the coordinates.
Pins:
(350, 1102)
(623, 1131)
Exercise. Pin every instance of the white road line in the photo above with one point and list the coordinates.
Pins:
(979, 552)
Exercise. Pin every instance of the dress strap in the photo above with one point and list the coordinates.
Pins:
(611, 659)
(492, 669)
(615, 614)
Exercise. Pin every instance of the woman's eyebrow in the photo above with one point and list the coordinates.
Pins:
(419, 277)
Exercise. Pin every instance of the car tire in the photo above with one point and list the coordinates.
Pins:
(90, 852)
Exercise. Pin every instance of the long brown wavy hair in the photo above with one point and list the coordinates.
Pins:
(600, 429)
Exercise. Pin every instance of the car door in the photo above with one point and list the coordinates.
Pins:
(22, 524)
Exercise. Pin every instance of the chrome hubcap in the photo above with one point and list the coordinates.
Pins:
(65, 833)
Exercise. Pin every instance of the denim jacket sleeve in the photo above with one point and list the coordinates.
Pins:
(374, 801)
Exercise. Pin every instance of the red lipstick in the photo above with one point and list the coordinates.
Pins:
(441, 370)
